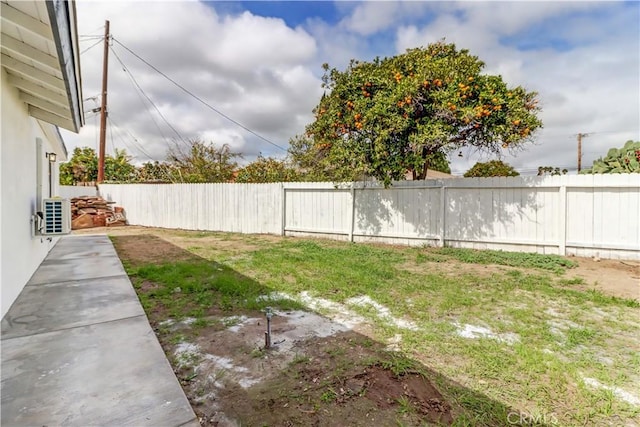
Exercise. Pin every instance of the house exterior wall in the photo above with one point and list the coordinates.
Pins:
(20, 251)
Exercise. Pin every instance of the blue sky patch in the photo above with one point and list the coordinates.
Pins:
(294, 13)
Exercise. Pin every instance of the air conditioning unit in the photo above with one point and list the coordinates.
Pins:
(56, 217)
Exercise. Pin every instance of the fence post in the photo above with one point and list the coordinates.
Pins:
(562, 247)
(443, 213)
(352, 213)
(283, 197)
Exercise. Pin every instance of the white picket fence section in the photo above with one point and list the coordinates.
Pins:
(70, 191)
(240, 208)
(593, 215)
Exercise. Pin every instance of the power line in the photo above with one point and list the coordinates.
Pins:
(124, 141)
(137, 144)
(135, 82)
(93, 45)
(99, 28)
(138, 91)
(200, 99)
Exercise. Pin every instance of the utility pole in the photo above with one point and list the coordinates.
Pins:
(580, 136)
(103, 107)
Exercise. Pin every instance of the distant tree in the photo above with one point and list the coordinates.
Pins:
(155, 172)
(491, 169)
(83, 167)
(543, 170)
(314, 164)
(118, 167)
(389, 116)
(623, 160)
(202, 162)
(267, 169)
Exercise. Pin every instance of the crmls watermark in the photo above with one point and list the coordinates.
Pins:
(527, 419)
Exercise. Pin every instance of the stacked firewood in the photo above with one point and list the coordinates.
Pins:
(94, 211)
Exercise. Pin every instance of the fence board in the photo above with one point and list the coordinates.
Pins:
(523, 213)
(71, 191)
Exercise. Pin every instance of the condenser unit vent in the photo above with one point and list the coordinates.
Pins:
(56, 217)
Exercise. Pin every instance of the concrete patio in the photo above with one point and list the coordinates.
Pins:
(77, 348)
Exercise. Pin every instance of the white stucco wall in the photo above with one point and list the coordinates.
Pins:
(20, 253)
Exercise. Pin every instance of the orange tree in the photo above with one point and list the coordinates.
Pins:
(389, 116)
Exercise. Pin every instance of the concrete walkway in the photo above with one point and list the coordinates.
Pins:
(77, 348)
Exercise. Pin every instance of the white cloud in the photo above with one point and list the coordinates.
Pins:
(253, 69)
(265, 74)
(590, 87)
(370, 17)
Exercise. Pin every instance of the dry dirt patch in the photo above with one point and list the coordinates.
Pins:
(319, 374)
(150, 249)
(612, 277)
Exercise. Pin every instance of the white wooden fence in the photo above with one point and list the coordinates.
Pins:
(573, 215)
(70, 191)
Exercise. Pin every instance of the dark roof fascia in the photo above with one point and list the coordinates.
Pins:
(62, 33)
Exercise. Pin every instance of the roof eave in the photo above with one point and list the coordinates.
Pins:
(63, 25)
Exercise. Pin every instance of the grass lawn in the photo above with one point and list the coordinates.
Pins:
(504, 333)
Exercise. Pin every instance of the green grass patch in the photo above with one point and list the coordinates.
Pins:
(190, 289)
(554, 263)
(545, 333)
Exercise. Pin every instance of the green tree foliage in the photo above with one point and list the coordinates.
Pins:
(202, 162)
(386, 117)
(118, 167)
(83, 167)
(490, 169)
(155, 172)
(314, 164)
(267, 169)
(544, 170)
(623, 160)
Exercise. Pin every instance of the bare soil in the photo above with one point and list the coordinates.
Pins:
(342, 379)
(317, 373)
(612, 277)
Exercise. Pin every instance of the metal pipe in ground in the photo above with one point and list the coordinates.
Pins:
(267, 334)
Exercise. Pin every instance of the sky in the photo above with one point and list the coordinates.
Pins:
(253, 69)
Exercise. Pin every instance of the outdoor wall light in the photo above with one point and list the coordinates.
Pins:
(51, 157)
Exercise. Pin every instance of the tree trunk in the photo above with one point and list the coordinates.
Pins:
(423, 173)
